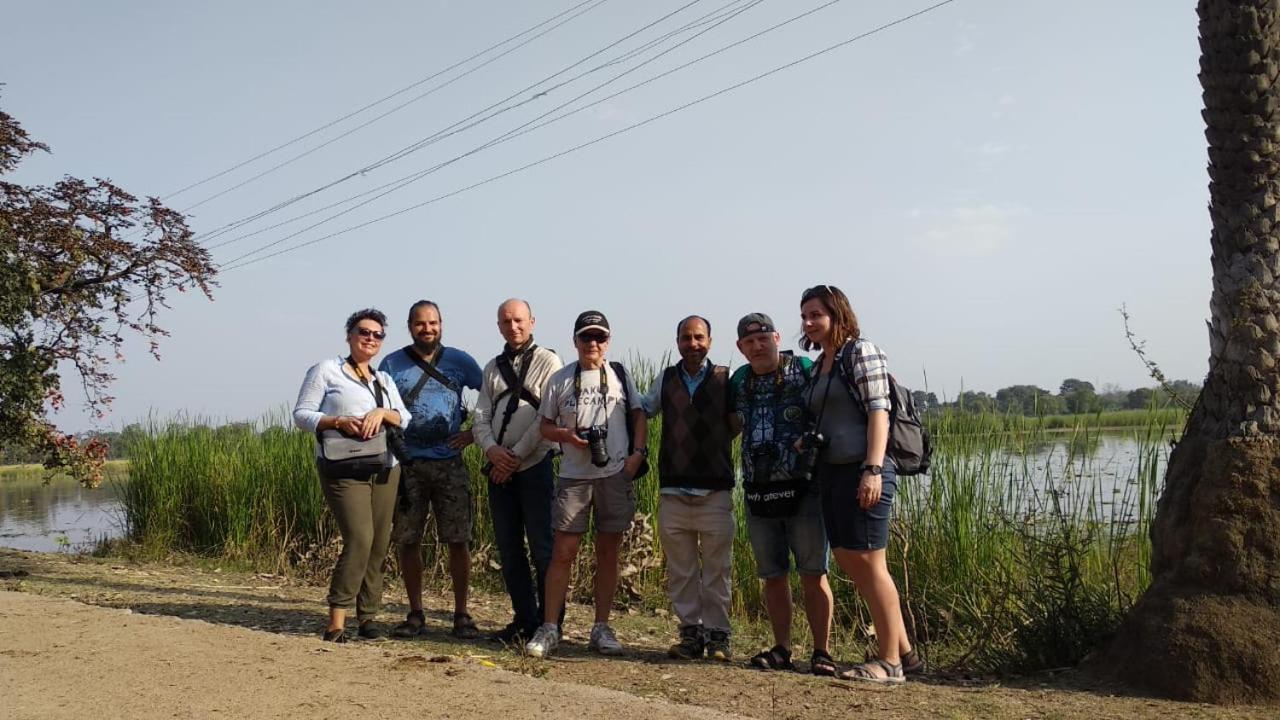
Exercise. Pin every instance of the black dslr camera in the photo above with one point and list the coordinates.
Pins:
(595, 437)
(811, 443)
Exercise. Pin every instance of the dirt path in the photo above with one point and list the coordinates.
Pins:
(182, 642)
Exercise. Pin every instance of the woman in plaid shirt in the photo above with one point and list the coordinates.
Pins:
(849, 401)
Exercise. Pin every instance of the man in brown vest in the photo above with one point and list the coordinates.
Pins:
(695, 506)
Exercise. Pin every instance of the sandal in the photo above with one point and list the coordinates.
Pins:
(775, 658)
(822, 664)
(415, 624)
(464, 627)
(337, 635)
(871, 672)
(912, 662)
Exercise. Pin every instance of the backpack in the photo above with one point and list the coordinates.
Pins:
(909, 443)
(621, 372)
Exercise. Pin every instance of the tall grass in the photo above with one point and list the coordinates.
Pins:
(1021, 549)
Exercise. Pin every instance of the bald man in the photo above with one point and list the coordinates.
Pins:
(518, 464)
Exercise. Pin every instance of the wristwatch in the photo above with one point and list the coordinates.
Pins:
(873, 469)
(644, 451)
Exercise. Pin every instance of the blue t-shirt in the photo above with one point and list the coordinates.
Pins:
(437, 413)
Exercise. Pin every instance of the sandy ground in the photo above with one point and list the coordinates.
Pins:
(82, 637)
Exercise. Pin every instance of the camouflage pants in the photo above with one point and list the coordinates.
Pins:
(442, 487)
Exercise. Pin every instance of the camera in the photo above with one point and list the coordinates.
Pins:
(595, 437)
(763, 459)
(811, 443)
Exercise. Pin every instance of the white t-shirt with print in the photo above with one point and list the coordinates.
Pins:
(569, 408)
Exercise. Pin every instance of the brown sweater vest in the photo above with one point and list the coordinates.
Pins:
(696, 438)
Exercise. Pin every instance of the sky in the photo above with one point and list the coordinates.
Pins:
(989, 182)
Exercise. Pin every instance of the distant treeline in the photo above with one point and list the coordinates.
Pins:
(1074, 397)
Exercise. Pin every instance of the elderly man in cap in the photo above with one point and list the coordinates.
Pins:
(784, 510)
(591, 408)
(695, 500)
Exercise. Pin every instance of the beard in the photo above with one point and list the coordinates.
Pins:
(426, 349)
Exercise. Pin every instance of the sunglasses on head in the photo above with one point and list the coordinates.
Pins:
(595, 337)
(816, 290)
(367, 333)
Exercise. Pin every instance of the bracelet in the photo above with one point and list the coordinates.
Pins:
(873, 469)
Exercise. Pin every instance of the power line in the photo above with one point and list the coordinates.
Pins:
(373, 104)
(445, 132)
(361, 126)
(720, 17)
(602, 138)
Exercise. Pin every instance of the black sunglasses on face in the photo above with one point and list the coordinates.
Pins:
(367, 333)
(598, 338)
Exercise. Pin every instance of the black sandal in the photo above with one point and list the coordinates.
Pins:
(464, 628)
(338, 635)
(875, 671)
(822, 664)
(775, 658)
(409, 628)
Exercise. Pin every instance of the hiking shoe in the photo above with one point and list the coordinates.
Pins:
(718, 647)
(691, 645)
(604, 641)
(544, 641)
(371, 630)
(511, 634)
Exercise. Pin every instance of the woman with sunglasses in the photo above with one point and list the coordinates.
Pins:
(849, 401)
(348, 406)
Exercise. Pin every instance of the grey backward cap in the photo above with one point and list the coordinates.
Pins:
(762, 323)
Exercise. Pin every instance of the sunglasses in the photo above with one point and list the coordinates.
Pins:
(817, 290)
(367, 333)
(595, 337)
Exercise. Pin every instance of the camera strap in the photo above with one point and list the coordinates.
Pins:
(377, 391)
(577, 392)
(826, 391)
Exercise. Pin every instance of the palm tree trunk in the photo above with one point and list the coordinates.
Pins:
(1208, 628)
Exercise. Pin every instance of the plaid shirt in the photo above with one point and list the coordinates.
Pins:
(870, 374)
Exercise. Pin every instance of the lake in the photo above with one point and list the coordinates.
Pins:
(58, 516)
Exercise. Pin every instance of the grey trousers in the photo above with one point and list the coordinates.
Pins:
(697, 540)
(363, 508)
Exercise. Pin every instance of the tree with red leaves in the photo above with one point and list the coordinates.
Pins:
(83, 264)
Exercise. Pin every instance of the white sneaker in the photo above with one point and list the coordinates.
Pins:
(544, 641)
(604, 641)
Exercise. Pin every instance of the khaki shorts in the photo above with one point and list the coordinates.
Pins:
(613, 497)
(441, 486)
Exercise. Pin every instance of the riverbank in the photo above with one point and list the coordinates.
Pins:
(205, 641)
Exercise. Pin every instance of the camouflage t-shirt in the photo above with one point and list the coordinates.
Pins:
(773, 414)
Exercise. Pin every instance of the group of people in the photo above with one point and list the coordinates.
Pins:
(817, 481)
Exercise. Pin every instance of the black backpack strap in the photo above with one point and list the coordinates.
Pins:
(621, 372)
(431, 369)
(513, 400)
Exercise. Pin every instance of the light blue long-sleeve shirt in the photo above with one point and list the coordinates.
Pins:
(328, 390)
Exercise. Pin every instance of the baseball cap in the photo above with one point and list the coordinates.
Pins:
(762, 324)
(591, 320)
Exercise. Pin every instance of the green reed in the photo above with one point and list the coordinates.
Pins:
(1002, 562)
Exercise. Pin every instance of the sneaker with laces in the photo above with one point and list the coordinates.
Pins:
(691, 645)
(718, 647)
(544, 641)
(604, 641)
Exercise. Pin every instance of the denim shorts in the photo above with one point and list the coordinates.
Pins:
(849, 527)
(775, 540)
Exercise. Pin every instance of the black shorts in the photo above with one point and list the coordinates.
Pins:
(848, 525)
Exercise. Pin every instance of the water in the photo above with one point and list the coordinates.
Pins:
(60, 516)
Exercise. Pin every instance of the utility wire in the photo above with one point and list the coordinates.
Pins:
(401, 106)
(445, 132)
(373, 104)
(720, 18)
(602, 138)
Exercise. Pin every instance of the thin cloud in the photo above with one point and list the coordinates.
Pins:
(967, 231)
